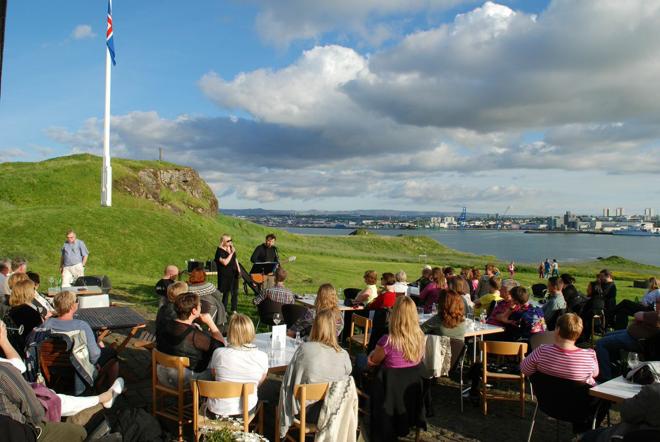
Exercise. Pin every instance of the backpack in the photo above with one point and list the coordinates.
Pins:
(31, 356)
(136, 425)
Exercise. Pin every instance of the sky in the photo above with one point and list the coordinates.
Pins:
(541, 106)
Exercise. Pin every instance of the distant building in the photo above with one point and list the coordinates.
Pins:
(570, 220)
(619, 211)
(555, 223)
(606, 212)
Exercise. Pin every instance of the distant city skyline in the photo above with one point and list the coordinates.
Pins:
(540, 105)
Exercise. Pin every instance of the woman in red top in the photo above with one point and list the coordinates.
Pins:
(387, 295)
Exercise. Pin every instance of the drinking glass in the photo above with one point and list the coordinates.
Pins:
(277, 318)
(51, 282)
(633, 360)
(470, 319)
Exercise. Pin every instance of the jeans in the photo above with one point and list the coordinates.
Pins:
(608, 349)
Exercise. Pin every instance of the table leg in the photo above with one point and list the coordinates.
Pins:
(130, 335)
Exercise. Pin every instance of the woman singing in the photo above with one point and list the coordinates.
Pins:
(228, 271)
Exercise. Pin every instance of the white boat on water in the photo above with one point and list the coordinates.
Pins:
(636, 231)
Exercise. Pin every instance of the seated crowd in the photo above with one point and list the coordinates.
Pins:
(191, 320)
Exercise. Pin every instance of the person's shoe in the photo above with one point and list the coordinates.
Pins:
(117, 388)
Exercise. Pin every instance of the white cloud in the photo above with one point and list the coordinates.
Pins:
(82, 32)
(284, 21)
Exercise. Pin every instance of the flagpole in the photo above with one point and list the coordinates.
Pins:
(106, 183)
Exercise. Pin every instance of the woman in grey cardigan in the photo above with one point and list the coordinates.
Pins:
(316, 361)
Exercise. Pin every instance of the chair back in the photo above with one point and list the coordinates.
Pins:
(310, 392)
(538, 339)
(504, 348)
(266, 309)
(221, 390)
(179, 413)
(291, 313)
(562, 399)
(458, 349)
(379, 327)
(539, 290)
(351, 293)
(55, 363)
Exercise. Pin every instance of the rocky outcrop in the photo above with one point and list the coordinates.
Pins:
(177, 189)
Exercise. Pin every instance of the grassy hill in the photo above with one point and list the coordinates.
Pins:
(149, 227)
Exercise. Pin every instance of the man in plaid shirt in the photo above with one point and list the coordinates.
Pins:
(277, 293)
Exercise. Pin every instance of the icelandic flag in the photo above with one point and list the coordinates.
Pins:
(109, 41)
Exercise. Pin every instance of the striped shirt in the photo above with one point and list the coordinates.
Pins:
(577, 365)
(277, 293)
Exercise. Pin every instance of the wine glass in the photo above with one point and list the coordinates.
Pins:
(277, 318)
(633, 360)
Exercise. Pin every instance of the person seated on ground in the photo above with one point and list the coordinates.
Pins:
(318, 360)
(608, 287)
(22, 312)
(482, 304)
(431, 293)
(501, 308)
(450, 320)
(166, 311)
(425, 279)
(44, 307)
(461, 286)
(371, 291)
(483, 285)
(170, 274)
(241, 362)
(401, 284)
(555, 300)
(278, 293)
(628, 308)
(386, 297)
(404, 344)
(640, 412)
(326, 299)
(183, 338)
(523, 319)
(210, 296)
(66, 306)
(608, 349)
(563, 359)
(20, 403)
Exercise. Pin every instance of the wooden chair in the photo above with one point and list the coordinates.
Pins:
(55, 363)
(224, 390)
(363, 339)
(180, 412)
(302, 393)
(510, 349)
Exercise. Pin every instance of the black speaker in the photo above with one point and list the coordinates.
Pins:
(99, 280)
(192, 265)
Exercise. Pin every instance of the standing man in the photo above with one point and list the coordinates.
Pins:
(266, 252)
(74, 259)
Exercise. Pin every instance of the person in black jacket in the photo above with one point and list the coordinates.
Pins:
(609, 295)
(266, 252)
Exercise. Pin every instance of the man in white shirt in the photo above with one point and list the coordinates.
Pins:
(5, 269)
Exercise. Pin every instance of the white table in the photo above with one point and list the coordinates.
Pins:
(615, 390)
(78, 290)
(278, 359)
(308, 301)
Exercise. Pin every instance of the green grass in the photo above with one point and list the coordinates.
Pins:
(132, 241)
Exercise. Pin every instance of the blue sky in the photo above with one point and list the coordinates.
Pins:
(419, 104)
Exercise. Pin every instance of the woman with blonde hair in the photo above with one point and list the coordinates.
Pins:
(403, 346)
(326, 299)
(22, 312)
(318, 360)
(241, 361)
(229, 271)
